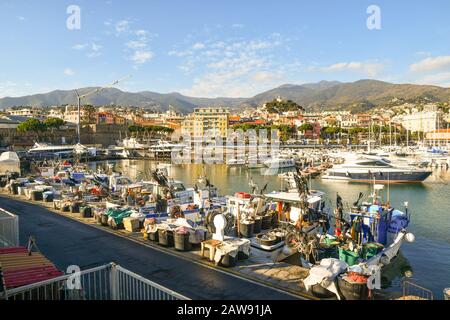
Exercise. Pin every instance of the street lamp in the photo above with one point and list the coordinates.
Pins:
(79, 97)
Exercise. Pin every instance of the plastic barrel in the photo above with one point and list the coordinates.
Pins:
(37, 195)
(227, 261)
(181, 242)
(274, 220)
(153, 236)
(246, 229)
(85, 212)
(74, 208)
(104, 220)
(48, 196)
(165, 238)
(447, 294)
(353, 291)
(14, 188)
(266, 222)
(258, 225)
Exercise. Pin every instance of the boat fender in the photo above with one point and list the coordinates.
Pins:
(410, 237)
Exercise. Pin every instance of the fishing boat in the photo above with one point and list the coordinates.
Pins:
(366, 238)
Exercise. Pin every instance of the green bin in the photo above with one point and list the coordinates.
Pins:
(349, 257)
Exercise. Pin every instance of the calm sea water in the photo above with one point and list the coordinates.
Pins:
(428, 258)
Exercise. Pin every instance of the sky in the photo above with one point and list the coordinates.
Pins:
(220, 48)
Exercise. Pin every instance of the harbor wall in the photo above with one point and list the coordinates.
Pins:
(92, 134)
(102, 134)
(25, 140)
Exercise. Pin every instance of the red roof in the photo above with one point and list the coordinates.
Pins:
(21, 269)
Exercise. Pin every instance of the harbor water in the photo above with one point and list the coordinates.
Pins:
(426, 261)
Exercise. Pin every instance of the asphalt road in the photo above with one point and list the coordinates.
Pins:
(67, 242)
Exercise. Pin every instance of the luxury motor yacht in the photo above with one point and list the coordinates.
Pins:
(375, 169)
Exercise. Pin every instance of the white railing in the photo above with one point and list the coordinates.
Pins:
(9, 229)
(108, 282)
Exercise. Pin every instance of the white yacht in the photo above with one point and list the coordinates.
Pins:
(278, 163)
(133, 143)
(372, 169)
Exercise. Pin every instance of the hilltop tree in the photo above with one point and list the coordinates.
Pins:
(277, 106)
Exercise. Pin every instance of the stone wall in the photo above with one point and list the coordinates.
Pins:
(94, 134)
(25, 140)
(102, 134)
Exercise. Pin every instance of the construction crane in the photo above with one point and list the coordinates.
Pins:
(97, 90)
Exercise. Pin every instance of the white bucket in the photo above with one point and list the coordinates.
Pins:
(447, 294)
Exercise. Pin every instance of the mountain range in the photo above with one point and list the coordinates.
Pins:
(331, 95)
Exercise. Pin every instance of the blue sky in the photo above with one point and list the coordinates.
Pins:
(219, 48)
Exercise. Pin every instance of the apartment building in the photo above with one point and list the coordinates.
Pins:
(26, 112)
(205, 119)
(425, 121)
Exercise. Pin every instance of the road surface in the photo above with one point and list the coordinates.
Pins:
(68, 242)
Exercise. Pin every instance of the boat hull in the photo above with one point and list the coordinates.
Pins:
(379, 177)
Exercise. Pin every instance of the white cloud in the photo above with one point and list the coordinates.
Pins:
(21, 18)
(134, 44)
(96, 47)
(237, 26)
(80, 46)
(262, 76)
(141, 33)
(441, 79)
(69, 72)
(141, 56)
(177, 53)
(198, 46)
(368, 68)
(439, 63)
(122, 26)
(232, 68)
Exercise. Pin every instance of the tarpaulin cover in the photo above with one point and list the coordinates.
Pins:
(118, 214)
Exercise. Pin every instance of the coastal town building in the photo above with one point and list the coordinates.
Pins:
(205, 119)
(26, 112)
(427, 120)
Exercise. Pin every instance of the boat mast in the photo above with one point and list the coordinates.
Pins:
(390, 135)
(370, 137)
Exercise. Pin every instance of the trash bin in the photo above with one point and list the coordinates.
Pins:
(246, 228)
(258, 225)
(85, 212)
(74, 208)
(266, 222)
(48, 196)
(98, 218)
(227, 261)
(104, 220)
(181, 241)
(153, 236)
(37, 195)
(14, 188)
(165, 238)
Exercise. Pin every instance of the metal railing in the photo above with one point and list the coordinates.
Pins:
(9, 229)
(412, 290)
(108, 282)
